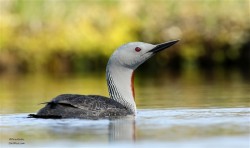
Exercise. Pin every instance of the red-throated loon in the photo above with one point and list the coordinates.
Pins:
(119, 76)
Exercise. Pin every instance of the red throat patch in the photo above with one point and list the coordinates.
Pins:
(132, 84)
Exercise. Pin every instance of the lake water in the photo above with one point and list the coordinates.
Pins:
(188, 110)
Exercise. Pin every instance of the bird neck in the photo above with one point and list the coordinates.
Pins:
(121, 85)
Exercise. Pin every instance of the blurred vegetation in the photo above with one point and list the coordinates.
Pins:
(68, 36)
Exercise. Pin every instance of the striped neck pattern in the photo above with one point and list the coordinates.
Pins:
(120, 88)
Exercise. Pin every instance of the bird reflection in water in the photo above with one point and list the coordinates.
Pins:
(122, 129)
(119, 129)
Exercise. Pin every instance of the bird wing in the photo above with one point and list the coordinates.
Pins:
(85, 102)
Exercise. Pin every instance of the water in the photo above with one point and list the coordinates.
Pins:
(227, 127)
(186, 111)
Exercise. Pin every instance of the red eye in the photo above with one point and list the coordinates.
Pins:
(137, 49)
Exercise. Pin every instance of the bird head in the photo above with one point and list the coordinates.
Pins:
(133, 54)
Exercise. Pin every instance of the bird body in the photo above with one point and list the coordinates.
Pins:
(82, 106)
(120, 77)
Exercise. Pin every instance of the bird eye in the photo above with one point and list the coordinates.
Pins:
(137, 49)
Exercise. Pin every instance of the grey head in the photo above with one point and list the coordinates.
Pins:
(133, 54)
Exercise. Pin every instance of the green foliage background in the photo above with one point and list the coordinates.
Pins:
(68, 36)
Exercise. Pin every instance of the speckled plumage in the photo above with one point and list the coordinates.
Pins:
(82, 106)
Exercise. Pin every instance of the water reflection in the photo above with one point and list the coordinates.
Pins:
(116, 130)
(122, 129)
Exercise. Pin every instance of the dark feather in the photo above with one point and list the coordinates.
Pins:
(81, 106)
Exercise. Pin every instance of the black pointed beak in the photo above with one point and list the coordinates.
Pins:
(162, 46)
